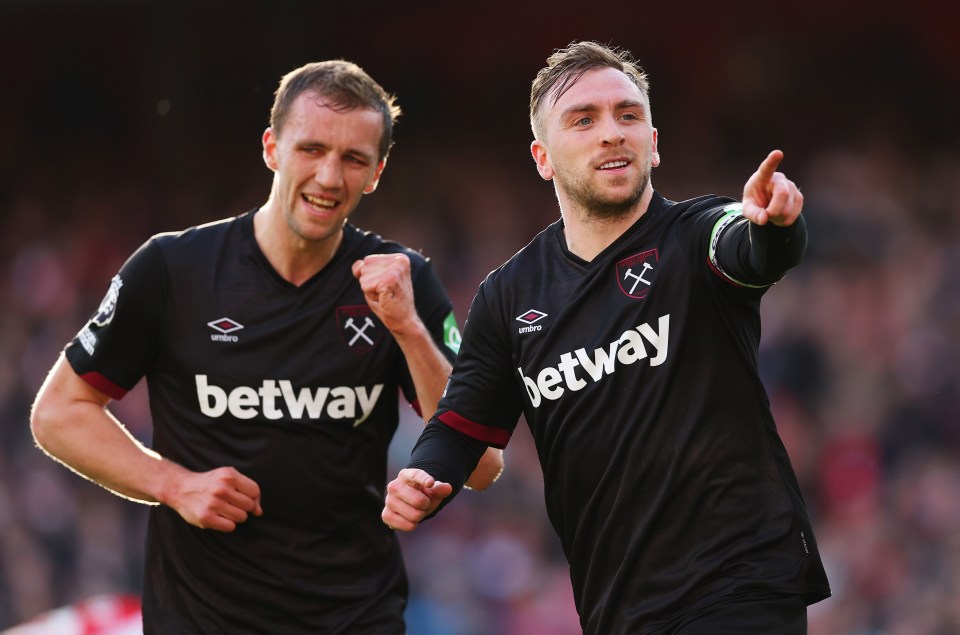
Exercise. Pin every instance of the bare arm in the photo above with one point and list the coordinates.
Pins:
(71, 423)
(388, 289)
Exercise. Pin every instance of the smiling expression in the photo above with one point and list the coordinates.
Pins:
(599, 145)
(324, 159)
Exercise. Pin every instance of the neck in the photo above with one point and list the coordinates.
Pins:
(587, 234)
(294, 258)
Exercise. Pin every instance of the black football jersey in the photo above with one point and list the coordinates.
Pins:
(664, 475)
(295, 387)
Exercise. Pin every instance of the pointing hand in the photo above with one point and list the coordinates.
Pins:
(770, 196)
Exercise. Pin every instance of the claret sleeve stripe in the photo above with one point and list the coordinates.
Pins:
(497, 437)
(104, 385)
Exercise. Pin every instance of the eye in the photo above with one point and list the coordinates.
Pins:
(584, 121)
(631, 116)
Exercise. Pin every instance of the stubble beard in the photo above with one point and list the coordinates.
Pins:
(296, 227)
(598, 205)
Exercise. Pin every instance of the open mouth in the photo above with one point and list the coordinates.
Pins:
(613, 165)
(319, 204)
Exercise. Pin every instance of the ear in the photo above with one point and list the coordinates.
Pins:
(655, 155)
(270, 148)
(375, 180)
(539, 152)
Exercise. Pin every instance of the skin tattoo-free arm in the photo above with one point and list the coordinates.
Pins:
(388, 289)
(71, 423)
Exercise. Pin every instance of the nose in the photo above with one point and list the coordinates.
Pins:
(329, 173)
(610, 132)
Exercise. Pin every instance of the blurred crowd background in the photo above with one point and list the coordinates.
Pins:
(123, 119)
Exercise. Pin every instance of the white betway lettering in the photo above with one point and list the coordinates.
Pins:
(244, 402)
(553, 381)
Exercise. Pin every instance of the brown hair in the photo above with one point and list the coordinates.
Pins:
(565, 66)
(346, 85)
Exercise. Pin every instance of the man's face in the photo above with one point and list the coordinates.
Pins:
(324, 161)
(598, 144)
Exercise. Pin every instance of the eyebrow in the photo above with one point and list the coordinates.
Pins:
(350, 151)
(591, 107)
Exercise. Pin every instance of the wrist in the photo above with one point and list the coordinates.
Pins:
(410, 329)
(167, 487)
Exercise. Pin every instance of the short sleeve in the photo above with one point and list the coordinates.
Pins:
(120, 342)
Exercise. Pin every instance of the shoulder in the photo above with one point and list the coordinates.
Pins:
(359, 243)
(201, 246)
(707, 205)
(531, 258)
(699, 219)
(200, 236)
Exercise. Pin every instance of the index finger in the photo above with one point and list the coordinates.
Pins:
(769, 165)
(416, 478)
(357, 268)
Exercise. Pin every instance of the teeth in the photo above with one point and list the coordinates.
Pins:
(613, 164)
(320, 202)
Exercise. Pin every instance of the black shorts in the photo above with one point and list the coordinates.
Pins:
(747, 614)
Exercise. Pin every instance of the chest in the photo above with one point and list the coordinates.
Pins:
(244, 327)
(603, 314)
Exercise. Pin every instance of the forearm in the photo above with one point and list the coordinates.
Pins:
(430, 371)
(70, 423)
(761, 254)
(488, 470)
(776, 249)
(447, 455)
(105, 452)
(428, 366)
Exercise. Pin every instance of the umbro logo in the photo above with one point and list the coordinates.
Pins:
(528, 318)
(225, 326)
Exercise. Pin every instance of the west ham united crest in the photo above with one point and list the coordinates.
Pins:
(358, 327)
(635, 273)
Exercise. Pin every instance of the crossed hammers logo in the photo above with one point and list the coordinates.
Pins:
(359, 331)
(637, 278)
(635, 273)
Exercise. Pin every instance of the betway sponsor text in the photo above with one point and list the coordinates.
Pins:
(553, 381)
(270, 398)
